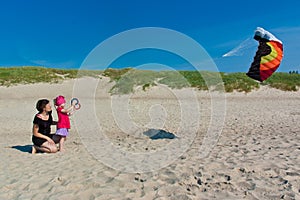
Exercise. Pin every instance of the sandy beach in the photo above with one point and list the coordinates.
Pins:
(255, 156)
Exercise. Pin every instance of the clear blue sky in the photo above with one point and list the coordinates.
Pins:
(60, 34)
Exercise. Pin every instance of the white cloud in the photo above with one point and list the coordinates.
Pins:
(286, 29)
(46, 63)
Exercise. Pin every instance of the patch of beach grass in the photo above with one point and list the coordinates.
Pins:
(127, 79)
(28, 75)
(238, 82)
(284, 81)
(115, 74)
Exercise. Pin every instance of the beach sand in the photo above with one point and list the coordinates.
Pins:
(256, 155)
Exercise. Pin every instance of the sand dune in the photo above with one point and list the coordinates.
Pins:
(256, 156)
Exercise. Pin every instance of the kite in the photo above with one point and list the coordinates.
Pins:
(268, 55)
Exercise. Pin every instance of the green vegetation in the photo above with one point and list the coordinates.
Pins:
(115, 74)
(26, 75)
(238, 82)
(127, 79)
(284, 81)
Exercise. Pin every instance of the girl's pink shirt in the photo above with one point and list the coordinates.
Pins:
(63, 119)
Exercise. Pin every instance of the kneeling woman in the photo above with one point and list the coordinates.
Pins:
(42, 138)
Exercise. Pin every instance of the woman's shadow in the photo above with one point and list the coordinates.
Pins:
(24, 148)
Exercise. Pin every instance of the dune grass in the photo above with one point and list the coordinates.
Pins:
(28, 75)
(284, 81)
(127, 79)
(238, 82)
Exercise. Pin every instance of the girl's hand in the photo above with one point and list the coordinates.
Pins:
(73, 103)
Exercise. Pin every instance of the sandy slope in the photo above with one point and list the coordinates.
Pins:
(255, 157)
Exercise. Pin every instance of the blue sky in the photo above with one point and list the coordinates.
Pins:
(62, 33)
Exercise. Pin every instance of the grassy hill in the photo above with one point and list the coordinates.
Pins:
(128, 78)
(28, 75)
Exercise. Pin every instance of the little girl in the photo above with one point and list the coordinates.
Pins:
(63, 124)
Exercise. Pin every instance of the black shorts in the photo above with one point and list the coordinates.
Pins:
(39, 141)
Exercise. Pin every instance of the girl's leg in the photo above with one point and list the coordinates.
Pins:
(61, 143)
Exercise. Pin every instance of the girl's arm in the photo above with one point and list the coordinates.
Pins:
(68, 110)
(35, 131)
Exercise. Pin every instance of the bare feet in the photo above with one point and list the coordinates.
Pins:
(33, 150)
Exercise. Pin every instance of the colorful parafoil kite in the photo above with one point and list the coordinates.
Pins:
(268, 55)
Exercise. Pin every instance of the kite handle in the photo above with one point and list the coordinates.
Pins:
(77, 105)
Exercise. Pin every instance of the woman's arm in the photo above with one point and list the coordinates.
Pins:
(35, 131)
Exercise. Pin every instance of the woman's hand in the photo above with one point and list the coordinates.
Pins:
(50, 141)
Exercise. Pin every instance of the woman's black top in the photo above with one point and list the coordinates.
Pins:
(44, 128)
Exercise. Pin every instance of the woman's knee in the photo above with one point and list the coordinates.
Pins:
(53, 149)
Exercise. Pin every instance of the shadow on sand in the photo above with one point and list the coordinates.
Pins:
(155, 134)
(24, 148)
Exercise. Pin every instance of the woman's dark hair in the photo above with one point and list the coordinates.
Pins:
(41, 104)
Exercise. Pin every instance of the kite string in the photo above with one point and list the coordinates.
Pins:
(241, 48)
